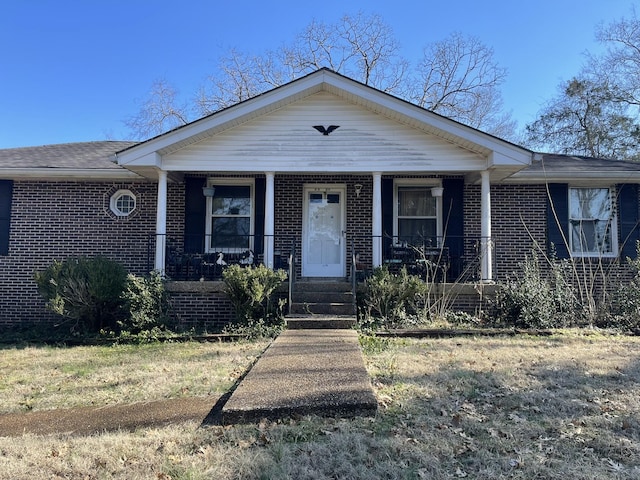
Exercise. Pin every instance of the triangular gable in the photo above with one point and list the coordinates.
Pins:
(475, 149)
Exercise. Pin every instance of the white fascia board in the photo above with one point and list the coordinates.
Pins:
(140, 154)
(505, 153)
(68, 173)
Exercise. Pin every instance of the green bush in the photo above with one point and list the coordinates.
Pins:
(86, 291)
(534, 300)
(392, 300)
(251, 291)
(146, 302)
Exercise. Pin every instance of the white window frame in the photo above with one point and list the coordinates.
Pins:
(113, 202)
(613, 225)
(236, 182)
(427, 183)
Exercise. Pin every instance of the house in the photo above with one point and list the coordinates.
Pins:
(309, 176)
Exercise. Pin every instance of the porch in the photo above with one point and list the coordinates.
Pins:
(435, 260)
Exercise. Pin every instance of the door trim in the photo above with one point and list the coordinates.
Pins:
(324, 188)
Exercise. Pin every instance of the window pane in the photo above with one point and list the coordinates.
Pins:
(417, 231)
(232, 200)
(590, 203)
(416, 202)
(590, 220)
(230, 232)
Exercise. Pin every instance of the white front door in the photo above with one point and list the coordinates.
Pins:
(323, 244)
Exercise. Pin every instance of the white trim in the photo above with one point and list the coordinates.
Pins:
(239, 182)
(113, 202)
(427, 183)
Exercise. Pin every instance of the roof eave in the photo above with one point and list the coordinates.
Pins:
(108, 174)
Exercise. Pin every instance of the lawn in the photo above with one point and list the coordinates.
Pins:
(566, 406)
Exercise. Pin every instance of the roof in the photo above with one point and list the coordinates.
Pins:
(85, 159)
(548, 167)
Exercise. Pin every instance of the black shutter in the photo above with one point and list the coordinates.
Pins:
(387, 215)
(6, 193)
(195, 208)
(453, 222)
(260, 188)
(558, 219)
(628, 214)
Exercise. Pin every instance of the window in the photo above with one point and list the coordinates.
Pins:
(417, 215)
(592, 222)
(123, 203)
(230, 222)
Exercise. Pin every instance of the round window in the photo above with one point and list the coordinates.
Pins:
(123, 203)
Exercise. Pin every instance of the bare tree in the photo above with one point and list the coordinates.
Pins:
(458, 77)
(159, 113)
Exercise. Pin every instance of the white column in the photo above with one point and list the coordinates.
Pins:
(376, 220)
(269, 219)
(486, 245)
(161, 222)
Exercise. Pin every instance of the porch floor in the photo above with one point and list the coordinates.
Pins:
(318, 371)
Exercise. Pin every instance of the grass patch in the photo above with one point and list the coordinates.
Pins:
(561, 407)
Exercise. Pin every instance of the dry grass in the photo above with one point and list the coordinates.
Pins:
(40, 378)
(562, 407)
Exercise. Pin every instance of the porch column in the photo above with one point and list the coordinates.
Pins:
(161, 222)
(486, 244)
(269, 219)
(376, 220)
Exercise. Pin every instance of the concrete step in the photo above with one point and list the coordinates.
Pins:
(322, 308)
(313, 322)
(322, 297)
(322, 286)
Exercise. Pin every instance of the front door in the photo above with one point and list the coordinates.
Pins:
(323, 248)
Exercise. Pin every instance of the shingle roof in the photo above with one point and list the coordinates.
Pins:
(554, 167)
(77, 156)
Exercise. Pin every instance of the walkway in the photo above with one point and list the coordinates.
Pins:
(302, 372)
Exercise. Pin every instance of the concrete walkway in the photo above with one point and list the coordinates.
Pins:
(318, 371)
(302, 372)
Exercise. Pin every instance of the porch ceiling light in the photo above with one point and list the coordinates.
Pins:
(208, 191)
(437, 191)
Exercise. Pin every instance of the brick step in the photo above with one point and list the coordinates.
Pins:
(309, 322)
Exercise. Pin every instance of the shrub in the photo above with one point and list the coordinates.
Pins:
(390, 300)
(625, 305)
(533, 300)
(251, 291)
(146, 302)
(85, 290)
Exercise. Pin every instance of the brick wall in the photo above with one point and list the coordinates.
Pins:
(55, 220)
(518, 221)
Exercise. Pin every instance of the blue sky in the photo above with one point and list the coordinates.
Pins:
(74, 70)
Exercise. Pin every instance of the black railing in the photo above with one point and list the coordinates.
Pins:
(199, 257)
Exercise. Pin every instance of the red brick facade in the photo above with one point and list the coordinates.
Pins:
(55, 220)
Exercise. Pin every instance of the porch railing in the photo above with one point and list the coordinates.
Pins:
(196, 257)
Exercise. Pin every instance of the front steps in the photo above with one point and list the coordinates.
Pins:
(322, 298)
(309, 322)
(321, 305)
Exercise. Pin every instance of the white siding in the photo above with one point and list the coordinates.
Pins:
(285, 141)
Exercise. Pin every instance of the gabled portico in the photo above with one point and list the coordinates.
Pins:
(269, 148)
